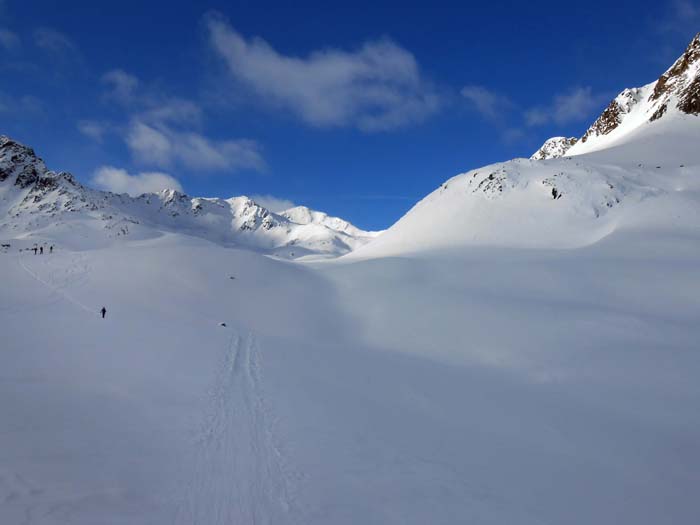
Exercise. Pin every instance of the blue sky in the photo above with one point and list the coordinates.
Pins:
(357, 109)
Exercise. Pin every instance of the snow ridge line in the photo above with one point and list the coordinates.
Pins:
(55, 289)
(239, 474)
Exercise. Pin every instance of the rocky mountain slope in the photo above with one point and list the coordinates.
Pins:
(554, 148)
(42, 203)
(677, 91)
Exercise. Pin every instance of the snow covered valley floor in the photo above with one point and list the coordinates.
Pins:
(482, 385)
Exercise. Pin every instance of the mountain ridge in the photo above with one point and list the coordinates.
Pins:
(676, 91)
(36, 201)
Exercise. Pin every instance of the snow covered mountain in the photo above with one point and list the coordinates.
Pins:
(676, 92)
(554, 148)
(38, 202)
(638, 164)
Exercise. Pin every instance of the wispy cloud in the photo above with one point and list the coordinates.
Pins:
(376, 87)
(165, 131)
(162, 146)
(118, 180)
(20, 106)
(578, 104)
(121, 85)
(489, 104)
(92, 129)
(56, 44)
(272, 203)
(683, 17)
(9, 40)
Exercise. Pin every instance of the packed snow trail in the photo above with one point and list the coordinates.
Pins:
(53, 288)
(239, 474)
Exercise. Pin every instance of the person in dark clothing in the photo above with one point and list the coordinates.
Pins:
(41, 250)
(103, 312)
(51, 249)
(35, 249)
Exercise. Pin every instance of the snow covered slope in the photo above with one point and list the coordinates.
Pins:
(38, 202)
(637, 166)
(486, 385)
(554, 148)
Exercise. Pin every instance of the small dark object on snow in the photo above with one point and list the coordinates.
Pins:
(35, 249)
(41, 250)
(222, 324)
(103, 312)
(231, 277)
(51, 249)
(555, 193)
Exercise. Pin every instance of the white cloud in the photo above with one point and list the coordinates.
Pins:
(149, 145)
(119, 181)
(576, 105)
(489, 104)
(92, 129)
(272, 203)
(151, 106)
(121, 85)
(8, 39)
(20, 106)
(376, 87)
(55, 43)
(683, 18)
(537, 116)
(164, 131)
(163, 146)
(172, 110)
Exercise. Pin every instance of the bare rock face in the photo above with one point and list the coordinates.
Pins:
(554, 148)
(678, 87)
(20, 163)
(682, 80)
(615, 113)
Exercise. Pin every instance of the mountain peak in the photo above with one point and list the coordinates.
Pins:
(677, 91)
(682, 79)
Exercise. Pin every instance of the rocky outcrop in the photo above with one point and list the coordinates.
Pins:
(614, 114)
(554, 148)
(678, 89)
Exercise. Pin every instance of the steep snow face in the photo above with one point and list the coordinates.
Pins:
(554, 148)
(649, 182)
(558, 203)
(675, 93)
(38, 202)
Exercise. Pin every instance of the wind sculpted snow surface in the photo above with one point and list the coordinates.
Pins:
(489, 385)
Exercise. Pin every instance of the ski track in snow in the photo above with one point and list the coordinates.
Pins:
(76, 271)
(239, 473)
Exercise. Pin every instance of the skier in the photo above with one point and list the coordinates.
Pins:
(35, 249)
(41, 250)
(51, 249)
(103, 312)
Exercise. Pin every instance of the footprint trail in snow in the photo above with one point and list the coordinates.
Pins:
(239, 474)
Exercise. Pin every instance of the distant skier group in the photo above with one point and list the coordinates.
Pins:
(40, 250)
